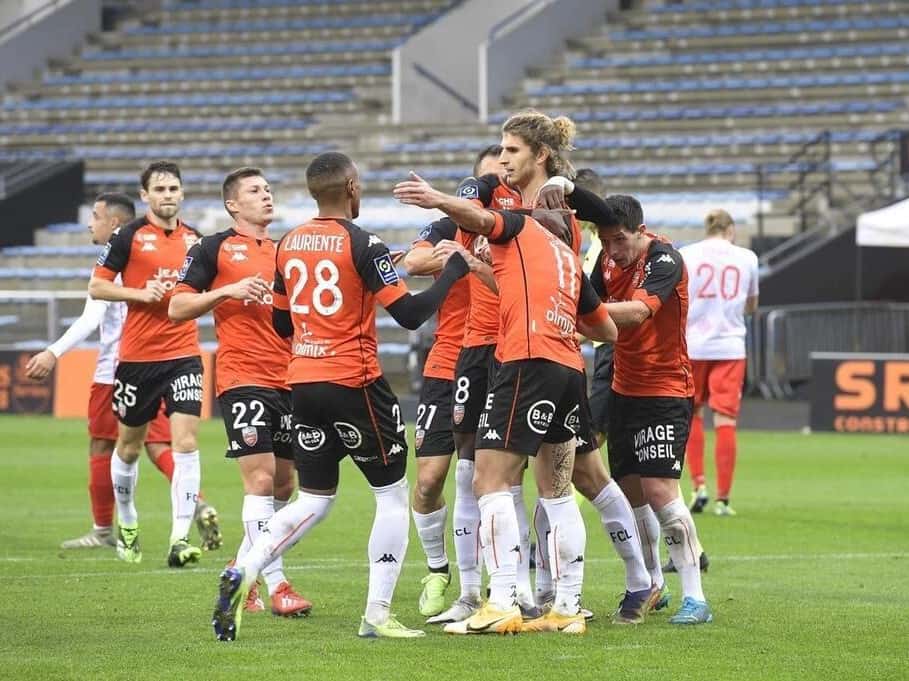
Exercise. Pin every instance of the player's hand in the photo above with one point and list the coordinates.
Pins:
(153, 292)
(396, 256)
(40, 366)
(418, 192)
(551, 196)
(253, 288)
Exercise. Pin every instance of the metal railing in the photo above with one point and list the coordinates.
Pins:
(784, 338)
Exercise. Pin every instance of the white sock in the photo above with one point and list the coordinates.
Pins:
(525, 591)
(501, 543)
(257, 511)
(543, 582)
(387, 546)
(184, 493)
(285, 529)
(649, 535)
(280, 503)
(431, 530)
(684, 548)
(124, 477)
(619, 522)
(466, 525)
(567, 541)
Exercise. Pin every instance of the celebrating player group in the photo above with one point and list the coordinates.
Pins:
(504, 389)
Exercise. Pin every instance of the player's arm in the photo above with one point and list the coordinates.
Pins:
(280, 308)
(751, 302)
(41, 364)
(420, 260)
(110, 263)
(465, 212)
(751, 305)
(594, 321)
(443, 251)
(560, 192)
(193, 296)
(411, 310)
(665, 272)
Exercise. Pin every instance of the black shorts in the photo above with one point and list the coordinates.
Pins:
(600, 387)
(648, 435)
(472, 377)
(139, 388)
(257, 420)
(332, 421)
(587, 439)
(532, 401)
(432, 434)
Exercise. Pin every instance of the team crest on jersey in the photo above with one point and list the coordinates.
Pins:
(457, 414)
(418, 438)
(102, 258)
(386, 269)
(250, 435)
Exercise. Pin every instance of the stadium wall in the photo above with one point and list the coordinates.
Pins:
(435, 73)
(39, 31)
(533, 38)
(832, 272)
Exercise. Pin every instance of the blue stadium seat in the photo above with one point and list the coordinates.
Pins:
(202, 99)
(356, 21)
(184, 51)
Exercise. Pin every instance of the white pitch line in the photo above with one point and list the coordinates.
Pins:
(333, 563)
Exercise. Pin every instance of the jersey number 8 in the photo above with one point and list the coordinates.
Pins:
(326, 276)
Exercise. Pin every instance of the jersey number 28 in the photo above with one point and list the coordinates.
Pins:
(326, 296)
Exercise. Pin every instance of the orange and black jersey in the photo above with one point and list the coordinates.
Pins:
(330, 273)
(250, 352)
(542, 290)
(138, 252)
(449, 336)
(651, 359)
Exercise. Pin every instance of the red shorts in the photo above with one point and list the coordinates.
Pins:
(102, 420)
(718, 383)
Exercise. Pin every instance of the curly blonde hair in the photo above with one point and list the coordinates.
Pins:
(540, 132)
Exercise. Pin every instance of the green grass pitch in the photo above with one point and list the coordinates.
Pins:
(808, 582)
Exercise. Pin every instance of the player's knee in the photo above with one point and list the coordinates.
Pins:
(285, 481)
(185, 442)
(260, 482)
(588, 478)
(429, 485)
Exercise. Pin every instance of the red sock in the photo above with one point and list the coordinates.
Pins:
(694, 452)
(725, 460)
(101, 490)
(165, 464)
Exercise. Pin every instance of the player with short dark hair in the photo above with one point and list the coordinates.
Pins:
(110, 211)
(159, 360)
(534, 406)
(645, 283)
(225, 273)
(330, 273)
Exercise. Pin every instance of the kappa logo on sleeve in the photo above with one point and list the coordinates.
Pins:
(103, 257)
(666, 258)
(386, 269)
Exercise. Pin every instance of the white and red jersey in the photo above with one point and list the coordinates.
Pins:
(107, 317)
(721, 277)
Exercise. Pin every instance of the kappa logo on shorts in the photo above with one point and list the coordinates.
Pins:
(457, 414)
(418, 438)
(539, 416)
(677, 466)
(250, 435)
(395, 449)
(492, 435)
(386, 269)
(350, 436)
(310, 438)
